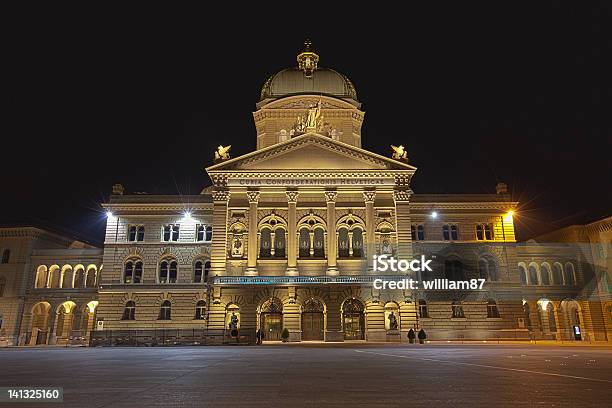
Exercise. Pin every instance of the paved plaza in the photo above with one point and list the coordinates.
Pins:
(317, 375)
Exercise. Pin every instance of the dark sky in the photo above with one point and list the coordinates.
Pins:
(142, 97)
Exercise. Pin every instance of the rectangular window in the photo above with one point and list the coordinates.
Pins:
(420, 233)
(413, 232)
(135, 233)
(446, 232)
(171, 233)
(454, 232)
(489, 231)
(1, 289)
(200, 232)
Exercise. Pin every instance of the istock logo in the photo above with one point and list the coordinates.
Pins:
(385, 263)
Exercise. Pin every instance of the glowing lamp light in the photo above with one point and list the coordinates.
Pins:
(187, 216)
(508, 216)
(434, 214)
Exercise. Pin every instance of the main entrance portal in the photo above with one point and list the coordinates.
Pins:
(271, 319)
(312, 320)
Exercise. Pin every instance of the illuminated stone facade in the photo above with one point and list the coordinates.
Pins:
(283, 239)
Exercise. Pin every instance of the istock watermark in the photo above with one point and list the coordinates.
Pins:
(387, 263)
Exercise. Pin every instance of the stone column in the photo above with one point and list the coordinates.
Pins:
(401, 197)
(253, 197)
(218, 255)
(370, 239)
(332, 266)
(292, 197)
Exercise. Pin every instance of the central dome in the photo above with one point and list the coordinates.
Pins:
(308, 78)
(293, 81)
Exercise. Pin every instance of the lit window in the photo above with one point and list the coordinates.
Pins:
(129, 311)
(165, 310)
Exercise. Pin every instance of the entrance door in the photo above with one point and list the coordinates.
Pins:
(272, 324)
(353, 326)
(353, 321)
(312, 326)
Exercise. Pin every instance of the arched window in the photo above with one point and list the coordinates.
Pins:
(533, 275)
(6, 255)
(457, 309)
(570, 274)
(423, 309)
(128, 272)
(483, 269)
(129, 311)
(201, 270)
(522, 274)
(168, 272)
(165, 310)
(200, 310)
(557, 274)
(545, 274)
(279, 243)
(357, 243)
(492, 309)
(132, 233)
(265, 243)
(453, 269)
(67, 276)
(343, 242)
(41, 277)
(79, 277)
(91, 276)
(319, 243)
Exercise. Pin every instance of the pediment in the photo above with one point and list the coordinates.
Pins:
(311, 152)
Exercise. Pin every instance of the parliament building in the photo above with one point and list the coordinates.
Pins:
(282, 241)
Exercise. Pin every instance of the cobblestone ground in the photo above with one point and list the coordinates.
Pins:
(316, 376)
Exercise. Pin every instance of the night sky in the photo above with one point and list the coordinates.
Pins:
(142, 97)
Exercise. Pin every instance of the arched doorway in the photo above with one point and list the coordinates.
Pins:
(353, 321)
(40, 323)
(271, 319)
(313, 322)
(65, 321)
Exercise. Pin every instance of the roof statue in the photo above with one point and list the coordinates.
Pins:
(399, 153)
(222, 153)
